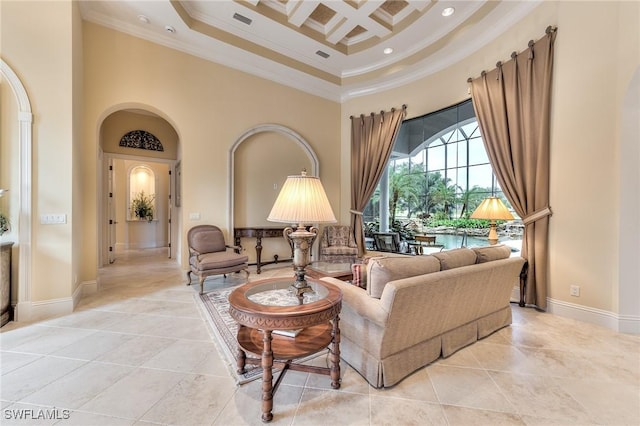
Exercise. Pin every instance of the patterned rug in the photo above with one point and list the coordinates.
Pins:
(224, 328)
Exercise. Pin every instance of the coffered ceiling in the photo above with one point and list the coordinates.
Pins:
(330, 48)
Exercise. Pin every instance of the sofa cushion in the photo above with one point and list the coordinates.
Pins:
(455, 258)
(381, 270)
(491, 253)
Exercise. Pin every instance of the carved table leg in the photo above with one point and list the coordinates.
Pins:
(334, 354)
(258, 253)
(267, 378)
(241, 360)
(523, 283)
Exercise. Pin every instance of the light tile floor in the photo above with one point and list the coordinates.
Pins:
(139, 352)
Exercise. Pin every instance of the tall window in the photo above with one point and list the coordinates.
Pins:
(438, 169)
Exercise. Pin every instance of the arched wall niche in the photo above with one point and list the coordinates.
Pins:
(23, 306)
(260, 160)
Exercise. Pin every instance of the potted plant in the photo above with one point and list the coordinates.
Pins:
(4, 223)
(142, 206)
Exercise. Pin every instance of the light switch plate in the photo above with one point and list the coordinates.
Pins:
(53, 219)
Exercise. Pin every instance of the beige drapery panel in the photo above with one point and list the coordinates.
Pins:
(372, 139)
(512, 104)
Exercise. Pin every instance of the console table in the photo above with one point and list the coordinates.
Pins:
(259, 233)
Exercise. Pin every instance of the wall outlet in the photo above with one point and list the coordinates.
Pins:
(194, 216)
(574, 290)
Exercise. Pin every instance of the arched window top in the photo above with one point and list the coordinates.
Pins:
(141, 139)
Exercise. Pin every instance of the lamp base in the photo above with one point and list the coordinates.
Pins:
(301, 242)
(493, 234)
(300, 286)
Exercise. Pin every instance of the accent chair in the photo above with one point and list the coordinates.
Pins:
(209, 255)
(338, 244)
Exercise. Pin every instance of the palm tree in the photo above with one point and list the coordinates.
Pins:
(471, 197)
(404, 188)
(444, 194)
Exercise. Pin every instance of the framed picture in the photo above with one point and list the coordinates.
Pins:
(178, 195)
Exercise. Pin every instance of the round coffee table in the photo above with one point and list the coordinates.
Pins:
(265, 306)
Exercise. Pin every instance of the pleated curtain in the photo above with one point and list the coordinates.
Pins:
(512, 104)
(372, 139)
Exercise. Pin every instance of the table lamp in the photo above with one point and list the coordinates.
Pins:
(492, 208)
(301, 200)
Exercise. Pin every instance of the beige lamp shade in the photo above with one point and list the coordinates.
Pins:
(302, 200)
(492, 208)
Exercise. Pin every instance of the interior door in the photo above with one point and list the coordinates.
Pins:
(169, 210)
(111, 212)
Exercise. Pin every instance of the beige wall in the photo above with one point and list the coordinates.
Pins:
(209, 105)
(597, 51)
(37, 42)
(261, 165)
(120, 123)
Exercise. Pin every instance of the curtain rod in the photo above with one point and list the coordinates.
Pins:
(548, 31)
(404, 108)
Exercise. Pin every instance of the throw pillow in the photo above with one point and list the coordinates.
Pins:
(359, 272)
(455, 258)
(490, 253)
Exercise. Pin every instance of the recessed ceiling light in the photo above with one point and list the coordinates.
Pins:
(170, 29)
(387, 51)
(448, 11)
(143, 18)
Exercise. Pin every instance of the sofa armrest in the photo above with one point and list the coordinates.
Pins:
(360, 302)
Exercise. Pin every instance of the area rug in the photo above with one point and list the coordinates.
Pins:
(215, 308)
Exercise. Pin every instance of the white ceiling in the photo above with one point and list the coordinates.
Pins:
(281, 42)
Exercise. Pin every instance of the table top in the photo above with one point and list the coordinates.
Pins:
(268, 304)
(331, 268)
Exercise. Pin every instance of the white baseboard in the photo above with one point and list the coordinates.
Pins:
(621, 323)
(51, 308)
(35, 311)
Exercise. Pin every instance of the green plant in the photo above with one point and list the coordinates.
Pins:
(142, 206)
(4, 223)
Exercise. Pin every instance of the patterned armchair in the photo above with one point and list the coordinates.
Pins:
(338, 244)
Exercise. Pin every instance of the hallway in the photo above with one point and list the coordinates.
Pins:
(139, 352)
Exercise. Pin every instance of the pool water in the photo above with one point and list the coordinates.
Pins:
(451, 241)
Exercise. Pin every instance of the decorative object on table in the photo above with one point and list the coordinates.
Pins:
(301, 200)
(142, 206)
(492, 208)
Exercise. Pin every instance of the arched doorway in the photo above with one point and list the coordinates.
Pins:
(138, 151)
(22, 194)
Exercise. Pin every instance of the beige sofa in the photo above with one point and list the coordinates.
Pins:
(417, 308)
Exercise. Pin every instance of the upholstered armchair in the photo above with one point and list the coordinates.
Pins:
(209, 255)
(338, 243)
